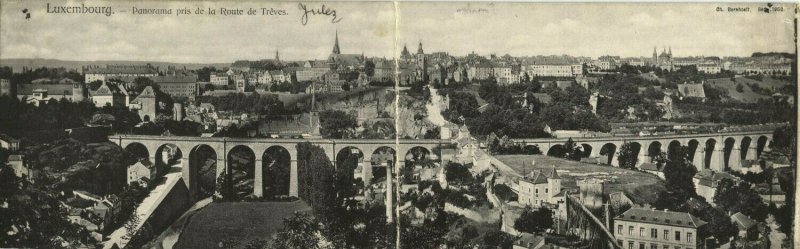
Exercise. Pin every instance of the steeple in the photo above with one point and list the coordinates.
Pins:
(277, 56)
(670, 51)
(336, 43)
(419, 50)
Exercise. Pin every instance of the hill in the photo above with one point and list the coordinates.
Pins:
(17, 63)
(747, 95)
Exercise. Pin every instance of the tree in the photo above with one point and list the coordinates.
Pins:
(336, 124)
(678, 173)
(572, 151)
(739, 87)
(534, 221)
(300, 231)
(739, 197)
(345, 87)
(627, 157)
(456, 172)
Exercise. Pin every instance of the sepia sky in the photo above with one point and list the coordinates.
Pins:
(518, 29)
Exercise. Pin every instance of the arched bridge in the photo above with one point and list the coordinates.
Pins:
(716, 151)
(221, 148)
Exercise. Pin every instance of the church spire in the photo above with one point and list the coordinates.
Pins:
(419, 50)
(277, 56)
(336, 43)
(670, 51)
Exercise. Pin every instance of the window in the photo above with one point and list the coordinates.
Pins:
(641, 232)
(641, 245)
(619, 230)
(689, 237)
(666, 234)
(654, 234)
(653, 246)
(677, 236)
(630, 244)
(545, 190)
(666, 247)
(630, 230)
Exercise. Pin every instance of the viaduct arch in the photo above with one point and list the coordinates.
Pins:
(706, 151)
(197, 154)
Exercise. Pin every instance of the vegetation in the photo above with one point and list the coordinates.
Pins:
(627, 157)
(26, 120)
(337, 124)
(534, 221)
(678, 172)
(267, 104)
(32, 217)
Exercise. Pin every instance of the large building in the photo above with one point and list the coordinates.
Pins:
(219, 79)
(312, 70)
(113, 71)
(41, 93)
(640, 228)
(540, 188)
(177, 85)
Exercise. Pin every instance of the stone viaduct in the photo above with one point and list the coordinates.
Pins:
(716, 151)
(223, 146)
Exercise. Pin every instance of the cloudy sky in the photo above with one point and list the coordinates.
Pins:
(458, 28)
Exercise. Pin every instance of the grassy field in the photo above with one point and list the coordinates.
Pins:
(234, 224)
(641, 187)
(747, 95)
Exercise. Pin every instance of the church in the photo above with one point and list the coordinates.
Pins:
(663, 60)
(339, 61)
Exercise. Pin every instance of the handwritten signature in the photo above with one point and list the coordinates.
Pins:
(321, 11)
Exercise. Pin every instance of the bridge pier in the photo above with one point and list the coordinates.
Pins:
(734, 158)
(642, 158)
(751, 153)
(293, 177)
(716, 163)
(699, 158)
(222, 167)
(258, 181)
(614, 161)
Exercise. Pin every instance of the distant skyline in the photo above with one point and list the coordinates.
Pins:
(518, 29)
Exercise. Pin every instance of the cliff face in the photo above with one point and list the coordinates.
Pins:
(412, 121)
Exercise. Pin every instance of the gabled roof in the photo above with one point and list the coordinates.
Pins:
(742, 221)
(148, 92)
(103, 90)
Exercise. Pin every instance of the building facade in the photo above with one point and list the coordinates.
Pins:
(640, 228)
(540, 188)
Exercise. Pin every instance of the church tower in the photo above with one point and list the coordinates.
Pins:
(422, 64)
(336, 44)
(277, 56)
(655, 56)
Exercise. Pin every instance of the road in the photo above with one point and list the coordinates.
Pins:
(146, 208)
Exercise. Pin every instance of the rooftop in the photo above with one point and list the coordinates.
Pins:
(661, 217)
